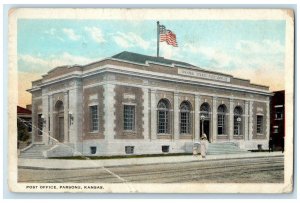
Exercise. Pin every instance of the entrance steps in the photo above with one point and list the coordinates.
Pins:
(35, 151)
(224, 148)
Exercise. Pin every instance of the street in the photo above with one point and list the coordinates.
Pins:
(243, 170)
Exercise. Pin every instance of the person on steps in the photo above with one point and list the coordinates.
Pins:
(203, 146)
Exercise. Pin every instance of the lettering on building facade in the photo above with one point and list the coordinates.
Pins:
(204, 75)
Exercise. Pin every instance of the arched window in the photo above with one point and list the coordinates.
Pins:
(163, 124)
(221, 119)
(205, 110)
(237, 120)
(185, 118)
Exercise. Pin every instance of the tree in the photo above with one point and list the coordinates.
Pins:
(23, 134)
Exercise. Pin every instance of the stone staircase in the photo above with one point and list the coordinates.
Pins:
(224, 148)
(35, 151)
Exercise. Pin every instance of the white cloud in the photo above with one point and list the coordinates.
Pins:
(244, 54)
(216, 56)
(52, 31)
(122, 42)
(170, 52)
(127, 40)
(59, 38)
(31, 68)
(71, 34)
(95, 33)
(33, 64)
(264, 47)
(261, 76)
(247, 59)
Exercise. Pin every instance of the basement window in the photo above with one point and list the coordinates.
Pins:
(129, 149)
(93, 150)
(165, 148)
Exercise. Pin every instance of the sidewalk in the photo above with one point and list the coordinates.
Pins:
(85, 164)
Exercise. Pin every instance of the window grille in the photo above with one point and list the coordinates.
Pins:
(129, 149)
(259, 124)
(185, 118)
(165, 148)
(237, 130)
(221, 119)
(93, 150)
(129, 117)
(94, 124)
(163, 117)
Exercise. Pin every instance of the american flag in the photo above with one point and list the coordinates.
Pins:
(167, 36)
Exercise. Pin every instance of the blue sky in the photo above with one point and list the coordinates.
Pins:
(247, 49)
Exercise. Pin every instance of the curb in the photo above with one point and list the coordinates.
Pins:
(141, 164)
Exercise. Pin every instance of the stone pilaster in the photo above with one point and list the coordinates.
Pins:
(45, 109)
(51, 112)
(75, 109)
(153, 115)
(197, 118)
(231, 108)
(66, 116)
(34, 132)
(246, 121)
(109, 112)
(214, 119)
(250, 120)
(176, 116)
(267, 130)
(146, 113)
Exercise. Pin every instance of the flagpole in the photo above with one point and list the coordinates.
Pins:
(157, 38)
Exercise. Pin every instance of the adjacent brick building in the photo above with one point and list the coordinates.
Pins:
(133, 103)
(277, 131)
(24, 114)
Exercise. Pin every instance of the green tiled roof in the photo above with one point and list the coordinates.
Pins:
(139, 58)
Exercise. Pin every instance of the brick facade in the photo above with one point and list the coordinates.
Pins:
(112, 83)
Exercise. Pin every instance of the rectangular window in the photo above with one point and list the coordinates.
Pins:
(163, 122)
(275, 129)
(259, 124)
(129, 117)
(184, 122)
(221, 124)
(129, 149)
(279, 113)
(94, 124)
(40, 124)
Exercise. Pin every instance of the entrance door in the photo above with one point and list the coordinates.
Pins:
(61, 129)
(205, 128)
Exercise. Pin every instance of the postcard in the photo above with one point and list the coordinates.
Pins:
(151, 100)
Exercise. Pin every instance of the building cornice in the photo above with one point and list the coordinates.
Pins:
(150, 75)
